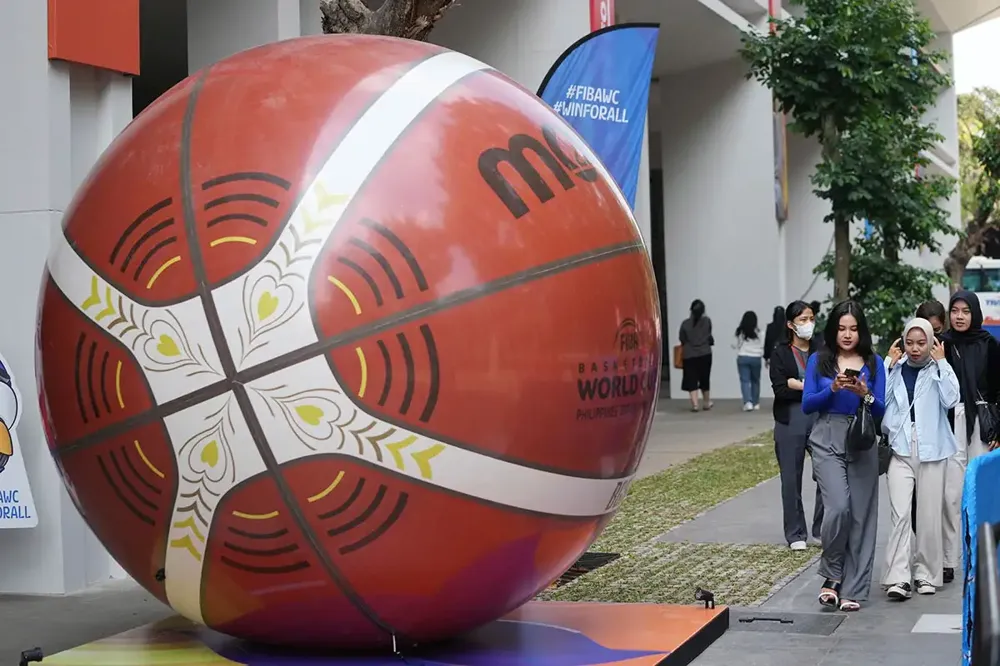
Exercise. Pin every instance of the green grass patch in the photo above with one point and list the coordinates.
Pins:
(663, 501)
(669, 573)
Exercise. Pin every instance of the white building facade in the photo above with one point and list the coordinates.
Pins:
(705, 201)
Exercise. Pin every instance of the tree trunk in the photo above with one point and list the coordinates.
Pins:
(830, 142)
(410, 19)
(966, 247)
(841, 259)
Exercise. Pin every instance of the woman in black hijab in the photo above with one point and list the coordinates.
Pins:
(975, 356)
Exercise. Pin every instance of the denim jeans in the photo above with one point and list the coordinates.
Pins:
(749, 367)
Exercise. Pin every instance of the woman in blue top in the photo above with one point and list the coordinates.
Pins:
(842, 374)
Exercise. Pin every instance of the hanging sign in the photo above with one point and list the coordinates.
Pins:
(17, 506)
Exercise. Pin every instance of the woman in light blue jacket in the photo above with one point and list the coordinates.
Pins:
(920, 389)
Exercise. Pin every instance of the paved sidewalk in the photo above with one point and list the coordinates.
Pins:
(679, 435)
(923, 631)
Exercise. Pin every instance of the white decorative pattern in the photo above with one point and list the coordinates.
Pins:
(264, 312)
(305, 408)
(215, 452)
(171, 344)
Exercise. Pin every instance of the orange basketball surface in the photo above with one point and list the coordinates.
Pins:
(348, 339)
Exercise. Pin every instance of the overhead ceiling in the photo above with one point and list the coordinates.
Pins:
(955, 15)
(691, 34)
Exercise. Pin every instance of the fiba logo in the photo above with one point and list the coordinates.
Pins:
(627, 337)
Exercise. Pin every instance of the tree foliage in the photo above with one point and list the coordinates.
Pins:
(411, 19)
(859, 75)
(979, 169)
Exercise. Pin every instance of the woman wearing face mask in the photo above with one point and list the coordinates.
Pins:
(975, 356)
(920, 389)
(838, 378)
(791, 425)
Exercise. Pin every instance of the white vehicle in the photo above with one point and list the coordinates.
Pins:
(982, 276)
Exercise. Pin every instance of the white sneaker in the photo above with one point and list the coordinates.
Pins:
(756, 408)
(748, 407)
(923, 587)
(797, 545)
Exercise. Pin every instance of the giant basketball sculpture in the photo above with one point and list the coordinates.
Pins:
(348, 338)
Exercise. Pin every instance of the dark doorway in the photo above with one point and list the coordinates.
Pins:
(658, 253)
(163, 60)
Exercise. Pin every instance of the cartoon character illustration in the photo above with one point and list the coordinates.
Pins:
(8, 415)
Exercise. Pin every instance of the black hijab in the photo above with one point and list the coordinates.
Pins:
(968, 353)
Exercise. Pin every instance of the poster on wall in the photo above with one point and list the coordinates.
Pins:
(600, 86)
(17, 506)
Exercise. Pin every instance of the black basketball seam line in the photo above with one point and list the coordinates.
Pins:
(345, 505)
(142, 217)
(321, 348)
(362, 517)
(366, 276)
(258, 552)
(382, 528)
(90, 379)
(401, 247)
(239, 390)
(383, 263)
(149, 255)
(435, 369)
(152, 231)
(104, 382)
(409, 372)
(277, 534)
(236, 217)
(387, 362)
(121, 496)
(404, 69)
(145, 501)
(240, 197)
(135, 471)
(264, 570)
(260, 176)
(77, 369)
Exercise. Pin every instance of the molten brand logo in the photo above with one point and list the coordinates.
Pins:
(551, 154)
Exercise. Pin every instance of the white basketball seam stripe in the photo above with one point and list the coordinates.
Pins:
(183, 361)
(288, 322)
(421, 458)
(202, 434)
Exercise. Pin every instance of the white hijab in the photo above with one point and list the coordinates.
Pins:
(925, 326)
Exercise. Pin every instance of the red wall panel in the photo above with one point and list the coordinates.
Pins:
(99, 33)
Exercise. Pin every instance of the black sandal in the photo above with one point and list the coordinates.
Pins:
(830, 594)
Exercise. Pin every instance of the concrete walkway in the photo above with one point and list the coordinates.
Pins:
(679, 435)
(924, 631)
(59, 623)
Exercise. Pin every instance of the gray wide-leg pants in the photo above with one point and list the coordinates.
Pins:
(849, 486)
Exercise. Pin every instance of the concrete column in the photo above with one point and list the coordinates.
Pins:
(718, 189)
(521, 38)
(62, 121)
(642, 211)
(219, 28)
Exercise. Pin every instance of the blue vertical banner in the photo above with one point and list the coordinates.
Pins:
(600, 86)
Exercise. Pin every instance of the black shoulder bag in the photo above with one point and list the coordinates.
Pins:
(861, 432)
(989, 420)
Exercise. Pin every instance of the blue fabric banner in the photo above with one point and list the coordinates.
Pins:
(600, 85)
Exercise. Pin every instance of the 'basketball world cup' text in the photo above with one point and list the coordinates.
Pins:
(620, 384)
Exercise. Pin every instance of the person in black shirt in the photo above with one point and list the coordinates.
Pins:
(774, 333)
(975, 356)
(791, 426)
